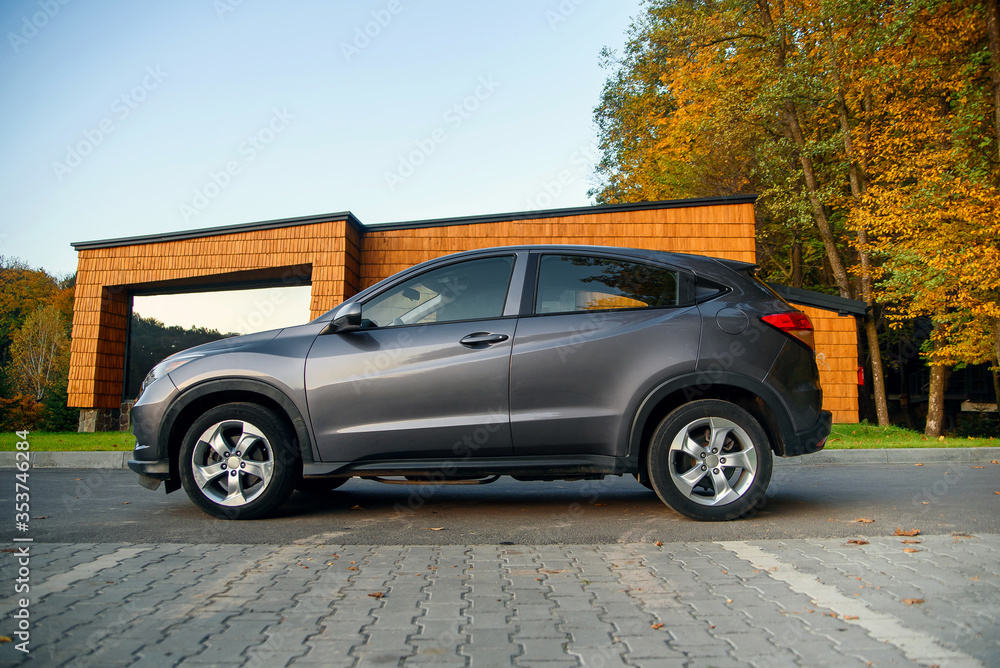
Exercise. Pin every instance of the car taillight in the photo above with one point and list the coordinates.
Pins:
(794, 324)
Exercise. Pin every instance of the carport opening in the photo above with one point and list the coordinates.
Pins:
(166, 319)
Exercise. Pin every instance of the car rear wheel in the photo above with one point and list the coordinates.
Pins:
(710, 460)
(238, 461)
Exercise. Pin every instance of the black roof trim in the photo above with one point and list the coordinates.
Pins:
(841, 305)
(562, 213)
(216, 231)
(436, 222)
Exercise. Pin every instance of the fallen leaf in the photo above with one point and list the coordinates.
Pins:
(992, 461)
(657, 626)
(910, 532)
(913, 601)
(925, 502)
(918, 464)
(352, 568)
(434, 528)
(911, 550)
(125, 503)
(978, 467)
(857, 541)
(9, 549)
(862, 520)
(850, 616)
(917, 542)
(830, 614)
(40, 517)
(5, 639)
(996, 492)
(376, 594)
(659, 543)
(356, 508)
(600, 504)
(729, 600)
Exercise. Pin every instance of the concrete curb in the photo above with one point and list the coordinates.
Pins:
(895, 456)
(70, 460)
(119, 460)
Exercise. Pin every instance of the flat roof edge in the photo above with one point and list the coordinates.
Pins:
(218, 231)
(841, 305)
(562, 213)
(434, 222)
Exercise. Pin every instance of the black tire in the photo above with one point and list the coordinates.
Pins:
(733, 458)
(251, 438)
(319, 486)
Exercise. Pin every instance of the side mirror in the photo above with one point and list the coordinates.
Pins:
(347, 318)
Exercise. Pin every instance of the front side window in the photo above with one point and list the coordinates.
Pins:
(470, 290)
(571, 283)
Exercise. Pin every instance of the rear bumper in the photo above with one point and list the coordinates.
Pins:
(811, 440)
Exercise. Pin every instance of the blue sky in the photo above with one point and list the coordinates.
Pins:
(128, 118)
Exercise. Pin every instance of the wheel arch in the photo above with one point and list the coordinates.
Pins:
(749, 394)
(205, 396)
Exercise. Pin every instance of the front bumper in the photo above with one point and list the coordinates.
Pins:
(811, 440)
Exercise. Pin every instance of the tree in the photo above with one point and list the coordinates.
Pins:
(717, 98)
(933, 206)
(22, 291)
(39, 351)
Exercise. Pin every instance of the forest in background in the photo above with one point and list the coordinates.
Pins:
(869, 130)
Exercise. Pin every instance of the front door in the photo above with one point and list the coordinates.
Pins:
(428, 374)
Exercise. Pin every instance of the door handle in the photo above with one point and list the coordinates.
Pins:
(482, 337)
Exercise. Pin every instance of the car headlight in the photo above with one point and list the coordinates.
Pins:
(163, 368)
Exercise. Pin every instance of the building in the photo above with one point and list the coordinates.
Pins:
(338, 255)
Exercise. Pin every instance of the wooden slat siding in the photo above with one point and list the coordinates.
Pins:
(837, 359)
(100, 316)
(725, 231)
(343, 260)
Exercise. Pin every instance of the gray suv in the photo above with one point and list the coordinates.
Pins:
(538, 362)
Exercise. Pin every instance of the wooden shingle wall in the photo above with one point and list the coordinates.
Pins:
(106, 275)
(837, 359)
(343, 258)
(725, 231)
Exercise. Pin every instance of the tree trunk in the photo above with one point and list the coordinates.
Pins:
(859, 184)
(935, 399)
(793, 130)
(796, 264)
(993, 36)
(996, 370)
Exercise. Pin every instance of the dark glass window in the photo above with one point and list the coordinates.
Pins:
(570, 283)
(470, 290)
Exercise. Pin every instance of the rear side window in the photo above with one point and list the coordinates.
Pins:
(572, 283)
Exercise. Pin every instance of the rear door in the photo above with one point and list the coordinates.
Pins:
(428, 374)
(602, 331)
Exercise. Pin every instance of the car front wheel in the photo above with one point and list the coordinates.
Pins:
(238, 461)
(710, 460)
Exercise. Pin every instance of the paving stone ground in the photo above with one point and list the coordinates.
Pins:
(772, 603)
